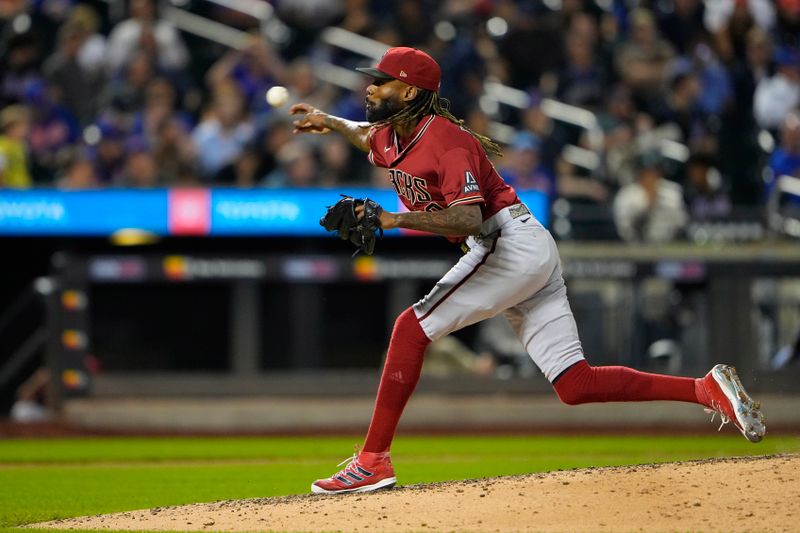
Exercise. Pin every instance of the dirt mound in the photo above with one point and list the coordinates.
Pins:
(735, 494)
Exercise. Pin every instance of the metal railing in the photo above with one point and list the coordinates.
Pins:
(12, 364)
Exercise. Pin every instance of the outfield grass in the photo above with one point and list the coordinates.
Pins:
(58, 478)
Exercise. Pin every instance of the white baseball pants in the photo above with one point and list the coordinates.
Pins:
(513, 267)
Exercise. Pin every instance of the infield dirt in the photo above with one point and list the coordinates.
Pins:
(718, 495)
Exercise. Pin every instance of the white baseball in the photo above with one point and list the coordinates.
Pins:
(277, 96)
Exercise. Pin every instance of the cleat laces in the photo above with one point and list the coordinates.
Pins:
(349, 462)
(716, 409)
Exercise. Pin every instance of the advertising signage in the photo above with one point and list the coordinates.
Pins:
(188, 212)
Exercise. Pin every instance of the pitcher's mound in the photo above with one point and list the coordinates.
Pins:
(736, 494)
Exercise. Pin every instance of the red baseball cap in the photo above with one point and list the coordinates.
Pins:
(408, 65)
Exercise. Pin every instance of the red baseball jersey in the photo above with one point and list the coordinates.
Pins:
(440, 165)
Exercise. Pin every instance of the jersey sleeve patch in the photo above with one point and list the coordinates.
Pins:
(470, 183)
(460, 180)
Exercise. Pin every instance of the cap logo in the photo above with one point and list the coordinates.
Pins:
(403, 74)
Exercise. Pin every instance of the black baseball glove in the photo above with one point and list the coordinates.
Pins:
(341, 217)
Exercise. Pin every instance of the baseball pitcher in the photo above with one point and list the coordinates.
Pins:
(440, 171)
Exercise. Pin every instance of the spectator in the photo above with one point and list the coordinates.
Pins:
(581, 81)
(144, 32)
(140, 169)
(748, 73)
(264, 147)
(578, 183)
(68, 77)
(358, 18)
(529, 30)
(297, 166)
(715, 81)
(706, 193)
(306, 19)
(224, 132)
(337, 164)
(53, 134)
(78, 175)
(160, 106)
(93, 47)
(776, 96)
(107, 151)
(20, 60)
(14, 129)
(537, 122)
(729, 21)
(681, 23)
(584, 26)
(785, 160)
(174, 152)
(304, 85)
(740, 156)
(126, 93)
(478, 121)
(245, 171)
(680, 106)
(652, 208)
(413, 21)
(642, 60)
(521, 166)
(464, 68)
(618, 120)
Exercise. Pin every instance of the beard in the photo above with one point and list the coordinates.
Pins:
(383, 110)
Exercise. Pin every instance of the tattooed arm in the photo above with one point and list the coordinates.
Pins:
(456, 221)
(316, 121)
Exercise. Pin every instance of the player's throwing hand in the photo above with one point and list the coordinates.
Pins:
(313, 120)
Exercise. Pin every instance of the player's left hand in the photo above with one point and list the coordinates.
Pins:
(356, 220)
(384, 219)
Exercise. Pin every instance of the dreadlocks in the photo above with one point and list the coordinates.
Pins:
(429, 102)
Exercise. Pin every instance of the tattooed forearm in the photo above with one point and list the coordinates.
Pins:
(458, 221)
(355, 132)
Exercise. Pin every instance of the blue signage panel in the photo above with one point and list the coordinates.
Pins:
(280, 211)
(229, 212)
(297, 211)
(82, 213)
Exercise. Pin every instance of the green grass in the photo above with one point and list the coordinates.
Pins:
(58, 478)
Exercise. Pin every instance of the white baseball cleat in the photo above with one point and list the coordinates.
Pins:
(727, 396)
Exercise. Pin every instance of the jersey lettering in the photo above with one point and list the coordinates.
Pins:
(412, 188)
(421, 190)
(470, 183)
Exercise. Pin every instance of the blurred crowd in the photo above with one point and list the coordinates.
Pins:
(695, 103)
